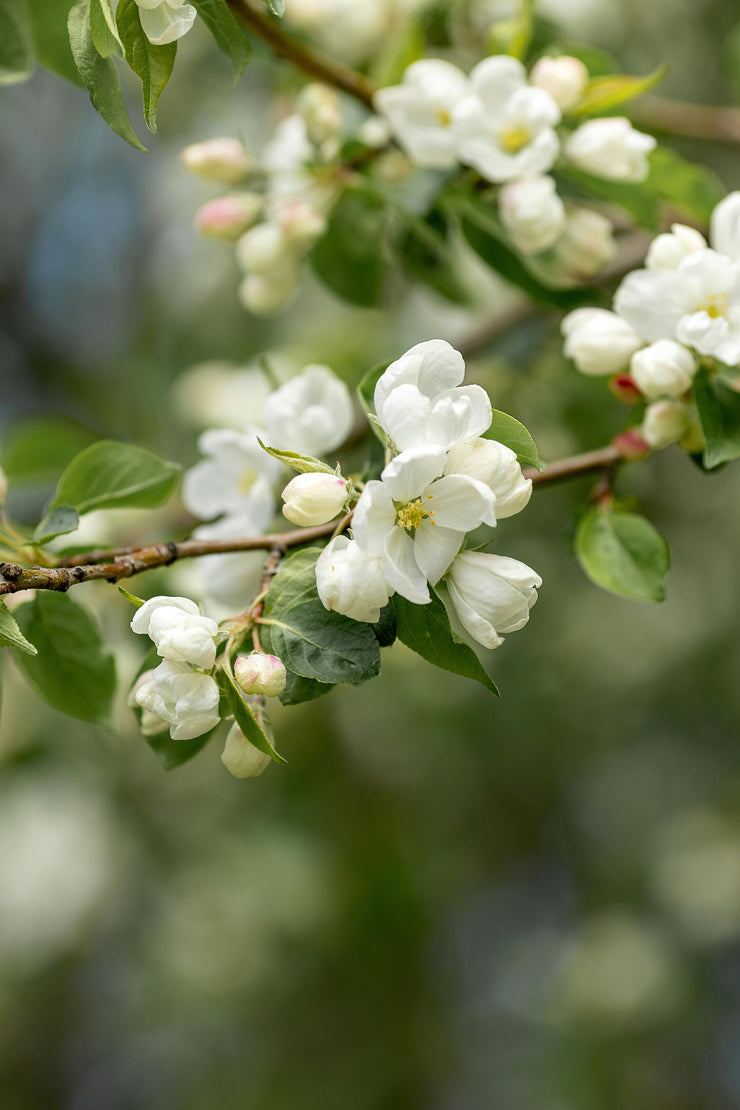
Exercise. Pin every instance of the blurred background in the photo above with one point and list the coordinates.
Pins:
(444, 901)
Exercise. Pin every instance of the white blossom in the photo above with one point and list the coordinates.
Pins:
(351, 582)
(416, 520)
(263, 249)
(495, 465)
(491, 594)
(268, 293)
(667, 251)
(419, 402)
(182, 698)
(532, 213)
(163, 22)
(420, 111)
(178, 630)
(224, 160)
(563, 77)
(665, 422)
(663, 369)
(321, 110)
(504, 128)
(312, 499)
(311, 414)
(227, 218)
(587, 244)
(598, 341)
(241, 758)
(236, 478)
(610, 148)
(260, 673)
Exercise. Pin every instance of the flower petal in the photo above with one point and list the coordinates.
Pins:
(460, 502)
(651, 303)
(374, 517)
(401, 569)
(408, 474)
(435, 548)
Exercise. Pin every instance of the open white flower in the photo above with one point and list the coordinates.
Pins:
(182, 698)
(350, 581)
(495, 465)
(491, 594)
(610, 148)
(420, 111)
(178, 630)
(311, 414)
(504, 128)
(419, 402)
(163, 22)
(237, 479)
(667, 251)
(416, 520)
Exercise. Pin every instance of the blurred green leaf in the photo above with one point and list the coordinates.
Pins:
(111, 475)
(692, 188)
(636, 199)
(602, 94)
(104, 30)
(731, 62)
(51, 37)
(99, 76)
(173, 753)
(57, 522)
(16, 55)
(719, 414)
(623, 553)
(230, 35)
(244, 716)
(505, 429)
(153, 64)
(427, 253)
(348, 257)
(426, 630)
(72, 671)
(38, 448)
(10, 633)
(366, 395)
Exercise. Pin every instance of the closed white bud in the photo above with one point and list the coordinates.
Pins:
(532, 213)
(314, 498)
(224, 160)
(241, 758)
(664, 369)
(587, 244)
(491, 594)
(665, 422)
(259, 673)
(321, 110)
(598, 341)
(610, 148)
(229, 217)
(265, 294)
(497, 466)
(180, 697)
(564, 78)
(350, 581)
(301, 223)
(262, 249)
(667, 251)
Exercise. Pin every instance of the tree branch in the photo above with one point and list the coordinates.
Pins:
(112, 566)
(686, 120)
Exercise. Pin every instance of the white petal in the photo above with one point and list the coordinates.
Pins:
(478, 627)
(407, 475)
(496, 79)
(460, 502)
(401, 569)
(651, 303)
(435, 548)
(404, 415)
(433, 366)
(167, 22)
(459, 414)
(725, 226)
(374, 517)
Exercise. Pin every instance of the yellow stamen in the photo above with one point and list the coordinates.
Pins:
(715, 306)
(443, 117)
(514, 139)
(410, 516)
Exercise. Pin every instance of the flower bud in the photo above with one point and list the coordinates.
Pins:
(564, 78)
(374, 132)
(532, 213)
(667, 251)
(497, 466)
(664, 369)
(350, 581)
(228, 217)
(610, 148)
(262, 248)
(631, 445)
(491, 594)
(301, 223)
(665, 422)
(587, 244)
(598, 341)
(242, 758)
(223, 160)
(624, 389)
(265, 294)
(321, 110)
(259, 673)
(314, 498)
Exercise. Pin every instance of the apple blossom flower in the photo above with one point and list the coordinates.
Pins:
(416, 520)
(532, 213)
(182, 698)
(178, 630)
(241, 758)
(164, 21)
(563, 77)
(311, 414)
(665, 422)
(321, 110)
(495, 465)
(268, 293)
(418, 399)
(663, 369)
(350, 581)
(420, 111)
(587, 244)
(667, 251)
(224, 160)
(259, 673)
(504, 127)
(610, 148)
(228, 217)
(491, 594)
(236, 478)
(314, 498)
(598, 341)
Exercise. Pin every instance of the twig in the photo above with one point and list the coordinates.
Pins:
(686, 120)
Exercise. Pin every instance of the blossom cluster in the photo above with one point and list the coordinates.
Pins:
(443, 481)
(680, 311)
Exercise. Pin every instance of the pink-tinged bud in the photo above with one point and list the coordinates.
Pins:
(312, 499)
(260, 674)
(229, 217)
(301, 223)
(631, 445)
(223, 160)
(242, 758)
(624, 389)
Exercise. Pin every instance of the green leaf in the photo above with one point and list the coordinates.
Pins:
(636, 199)
(385, 629)
(51, 38)
(104, 30)
(38, 449)
(426, 630)
(366, 388)
(623, 553)
(153, 64)
(602, 94)
(16, 55)
(244, 716)
(731, 62)
(348, 257)
(57, 522)
(230, 35)
(299, 689)
(505, 429)
(304, 464)
(99, 75)
(173, 753)
(425, 250)
(112, 475)
(719, 414)
(135, 601)
(72, 671)
(10, 633)
(691, 188)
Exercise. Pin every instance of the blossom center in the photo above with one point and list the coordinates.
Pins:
(444, 118)
(715, 305)
(246, 480)
(411, 515)
(515, 138)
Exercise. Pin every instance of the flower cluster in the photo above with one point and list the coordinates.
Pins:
(164, 21)
(442, 482)
(679, 312)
